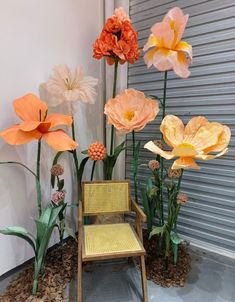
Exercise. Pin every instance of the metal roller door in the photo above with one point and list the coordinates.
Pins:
(209, 216)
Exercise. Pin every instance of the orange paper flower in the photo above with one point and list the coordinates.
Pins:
(167, 50)
(130, 110)
(96, 151)
(118, 40)
(36, 125)
(195, 141)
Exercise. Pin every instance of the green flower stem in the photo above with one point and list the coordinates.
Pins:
(135, 166)
(161, 159)
(38, 185)
(93, 169)
(178, 206)
(75, 157)
(39, 159)
(114, 94)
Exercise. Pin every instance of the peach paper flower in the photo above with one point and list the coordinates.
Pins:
(118, 40)
(194, 141)
(167, 51)
(130, 110)
(69, 86)
(36, 125)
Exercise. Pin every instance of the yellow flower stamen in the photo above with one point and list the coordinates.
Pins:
(129, 115)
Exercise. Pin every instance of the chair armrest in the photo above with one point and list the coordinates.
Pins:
(139, 212)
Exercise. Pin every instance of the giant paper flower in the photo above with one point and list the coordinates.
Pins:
(194, 141)
(130, 110)
(167, 50)
(118, 40)
(69, 86)
(36, 125)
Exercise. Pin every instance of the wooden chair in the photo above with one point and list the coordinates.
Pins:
(109, 241)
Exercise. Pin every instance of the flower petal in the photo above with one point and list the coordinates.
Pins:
(29, 125)
(209, 157)
(164, 34)
(30, 108)
(148, 57)
(15, 136)
(223, 141)
(156, 150)
(192, 127)
(152, 41)
(59, 140)
(185, 163)
(172, 129)
(183, 46)
(57, 119)
(160, 59)
(207, 136)
(180, 63)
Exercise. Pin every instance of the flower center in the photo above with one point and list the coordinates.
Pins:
(185, 150)
(129, 115)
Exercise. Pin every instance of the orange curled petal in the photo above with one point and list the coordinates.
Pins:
(223, 141)
(57, 119)
(156, 150)
(59, 140)
(209, 157)
(15, 136)
(30, 108)
(29, 125)
(172, 129)
(185, 163)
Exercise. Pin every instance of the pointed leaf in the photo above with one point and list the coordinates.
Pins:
(21, 233)
(156, 231)
(70, 232)
(60, 184)
(85, 152)
(175, 238)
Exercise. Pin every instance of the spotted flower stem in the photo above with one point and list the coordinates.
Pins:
(162, 159)
(114, 94)
(75, 157)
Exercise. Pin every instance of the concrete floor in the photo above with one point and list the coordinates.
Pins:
(212, 279)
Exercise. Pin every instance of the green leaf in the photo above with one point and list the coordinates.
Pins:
(81, 169)
(70, 232)
(175, 238)
(54, 163)
(85, 152)
(156, 231)
(21, 233)
(73, 205)
(119, 149)
(60, 184)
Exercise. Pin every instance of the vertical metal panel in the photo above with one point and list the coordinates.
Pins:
(209, 216)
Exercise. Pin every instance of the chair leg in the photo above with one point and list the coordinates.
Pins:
(79, 280)
(143, 279)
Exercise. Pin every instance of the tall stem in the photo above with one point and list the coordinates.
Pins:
(75, 157)
(114, 94)
(38, 184)
(93, 169)
(161, 159)
(135, 166)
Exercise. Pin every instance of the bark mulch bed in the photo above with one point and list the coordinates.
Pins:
(51, 284)
(174, 275)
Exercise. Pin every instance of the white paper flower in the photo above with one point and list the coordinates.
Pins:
(69, 86)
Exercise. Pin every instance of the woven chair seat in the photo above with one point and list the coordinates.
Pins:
(107, 240)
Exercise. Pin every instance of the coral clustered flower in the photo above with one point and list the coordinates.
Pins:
(181, 198)
(130, 111)
(118, 40)
(165, 49)
(194, 141)
(153, 164)
(57, 170)
(96, 151)
(69, 86)
(58, 197)
(36, 125)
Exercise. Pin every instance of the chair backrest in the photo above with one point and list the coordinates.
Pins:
(105, 197)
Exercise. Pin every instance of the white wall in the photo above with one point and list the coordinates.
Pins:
(35, 35)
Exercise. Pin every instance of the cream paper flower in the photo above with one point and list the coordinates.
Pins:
(69, 87)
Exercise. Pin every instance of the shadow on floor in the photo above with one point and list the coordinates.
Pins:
(212, 279)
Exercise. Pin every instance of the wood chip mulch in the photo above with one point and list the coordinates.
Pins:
(51, 285)
(174, 275)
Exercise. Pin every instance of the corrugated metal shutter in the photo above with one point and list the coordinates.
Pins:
(210, 91)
